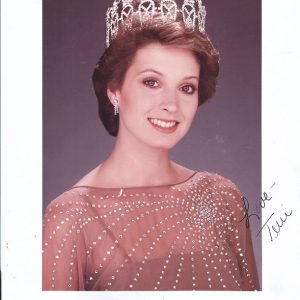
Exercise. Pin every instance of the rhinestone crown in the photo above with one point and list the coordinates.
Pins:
(193, 14)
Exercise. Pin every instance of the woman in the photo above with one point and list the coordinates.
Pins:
(139, 221)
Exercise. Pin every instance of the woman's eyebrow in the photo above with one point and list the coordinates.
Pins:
(191, 77)
(161, 74)
(151, 70)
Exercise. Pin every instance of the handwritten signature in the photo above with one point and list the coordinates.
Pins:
(273, 226)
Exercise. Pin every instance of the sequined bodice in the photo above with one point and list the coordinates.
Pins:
(187, 236)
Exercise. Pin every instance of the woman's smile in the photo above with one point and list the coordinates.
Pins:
(164, 126)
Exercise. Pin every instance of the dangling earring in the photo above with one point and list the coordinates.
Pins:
(116, 106)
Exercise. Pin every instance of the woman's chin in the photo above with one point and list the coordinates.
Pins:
(165, 144)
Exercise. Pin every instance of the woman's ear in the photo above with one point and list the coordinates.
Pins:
(112, 94)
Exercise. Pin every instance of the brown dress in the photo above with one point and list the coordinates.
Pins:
(186, 236)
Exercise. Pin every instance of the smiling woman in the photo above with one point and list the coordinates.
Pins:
(140, 221)
(168, 97)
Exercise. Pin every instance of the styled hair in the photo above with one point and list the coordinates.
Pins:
(111, 69)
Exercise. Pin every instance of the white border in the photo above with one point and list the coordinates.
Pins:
(21, 141)
(281, 145)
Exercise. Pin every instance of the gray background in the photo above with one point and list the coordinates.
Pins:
(226, 134)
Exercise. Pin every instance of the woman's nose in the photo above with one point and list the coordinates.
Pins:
(169, 102)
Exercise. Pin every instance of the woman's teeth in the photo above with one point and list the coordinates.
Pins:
(162, 124)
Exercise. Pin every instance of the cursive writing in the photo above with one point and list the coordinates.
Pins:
(274, 226)
(247, 214)
(265, 198)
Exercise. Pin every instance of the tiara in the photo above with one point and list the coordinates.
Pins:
(193, 14)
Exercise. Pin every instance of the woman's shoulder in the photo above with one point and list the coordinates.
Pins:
(70, 201)
(219, 187)
(215, 180)
(74, 196)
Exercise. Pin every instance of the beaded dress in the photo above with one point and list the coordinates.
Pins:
(186, 236)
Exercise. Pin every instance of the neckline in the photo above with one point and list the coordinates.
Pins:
(135, 187)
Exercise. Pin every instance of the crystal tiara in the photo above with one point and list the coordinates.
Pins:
(193, 14)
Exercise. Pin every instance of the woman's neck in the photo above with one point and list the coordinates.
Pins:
(133, 164)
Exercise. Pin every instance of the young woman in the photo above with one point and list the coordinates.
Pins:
(139, 221)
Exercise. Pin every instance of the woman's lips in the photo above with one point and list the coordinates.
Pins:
(165, 126)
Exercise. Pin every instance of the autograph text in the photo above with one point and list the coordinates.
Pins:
(273, 225)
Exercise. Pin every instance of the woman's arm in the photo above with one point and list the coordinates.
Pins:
(63, 247)
(240, 238)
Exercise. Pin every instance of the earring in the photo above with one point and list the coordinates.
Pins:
(116, 106)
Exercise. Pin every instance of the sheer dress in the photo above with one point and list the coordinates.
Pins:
(186, 236)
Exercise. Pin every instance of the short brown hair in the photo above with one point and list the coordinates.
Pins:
(116, 59)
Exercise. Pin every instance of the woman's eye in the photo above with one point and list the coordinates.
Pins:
(151, 83)
(188, 89)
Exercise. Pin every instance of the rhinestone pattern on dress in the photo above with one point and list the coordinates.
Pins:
(186, 236)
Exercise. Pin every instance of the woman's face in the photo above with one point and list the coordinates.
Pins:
(159, 96)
